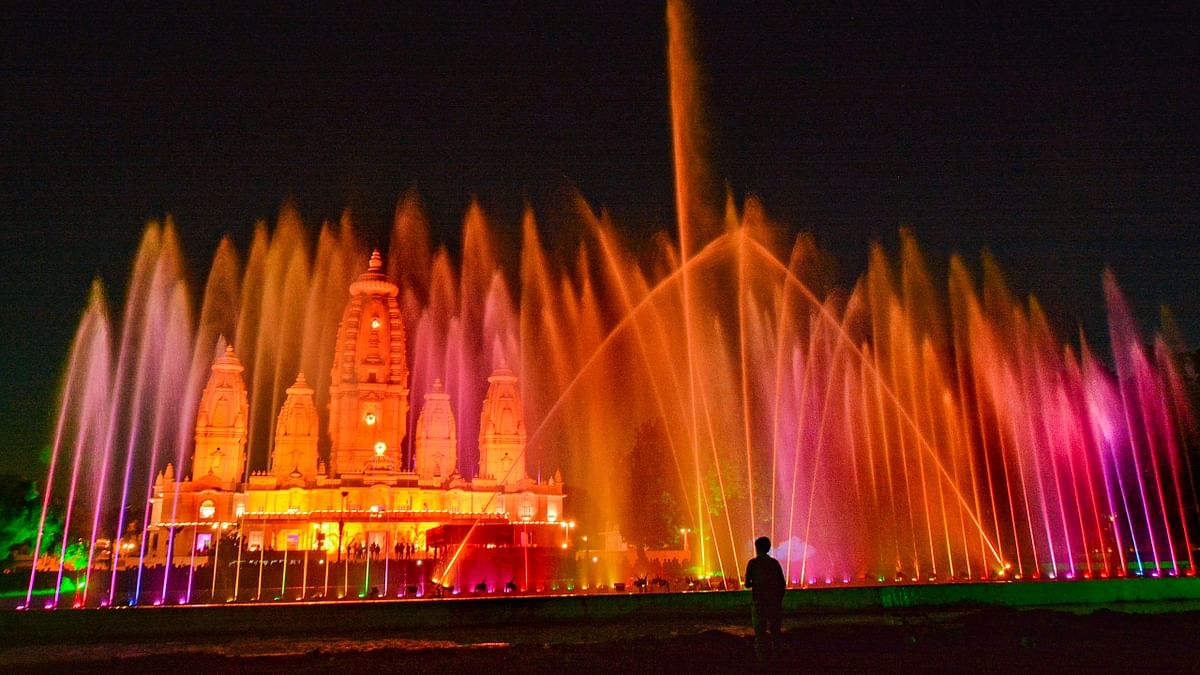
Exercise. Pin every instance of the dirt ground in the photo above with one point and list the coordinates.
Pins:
(988, 640)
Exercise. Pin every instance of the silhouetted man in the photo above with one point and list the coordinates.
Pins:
(764, 578)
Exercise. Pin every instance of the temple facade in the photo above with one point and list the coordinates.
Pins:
(367, 496)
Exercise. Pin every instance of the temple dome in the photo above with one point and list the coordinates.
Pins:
(228, 362)
(374, 281)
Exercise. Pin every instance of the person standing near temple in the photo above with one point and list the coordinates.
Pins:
(764, 578)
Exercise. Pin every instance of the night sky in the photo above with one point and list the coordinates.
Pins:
(1062, 142)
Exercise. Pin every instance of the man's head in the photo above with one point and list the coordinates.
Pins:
(762, 545)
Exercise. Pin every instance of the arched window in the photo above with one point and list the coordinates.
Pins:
(207, 509)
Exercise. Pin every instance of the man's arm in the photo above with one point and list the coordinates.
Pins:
(750, 573)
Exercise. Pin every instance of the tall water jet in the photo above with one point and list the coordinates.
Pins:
(694, 221)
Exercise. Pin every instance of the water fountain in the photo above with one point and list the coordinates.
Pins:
(900, 431)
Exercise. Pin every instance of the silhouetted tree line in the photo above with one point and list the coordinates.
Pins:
(651, 513)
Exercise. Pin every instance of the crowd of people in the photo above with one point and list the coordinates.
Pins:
(359, 551)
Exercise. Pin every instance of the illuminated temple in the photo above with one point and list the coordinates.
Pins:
(370, 495)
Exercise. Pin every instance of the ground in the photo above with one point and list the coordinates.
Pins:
(1132, 638)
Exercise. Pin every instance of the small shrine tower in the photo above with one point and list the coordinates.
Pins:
(502, 430)
(294, 459)
(220, 457)
(437, 438)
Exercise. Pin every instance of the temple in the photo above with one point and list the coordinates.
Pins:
(369, 496)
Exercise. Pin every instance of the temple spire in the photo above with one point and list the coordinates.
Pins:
(436, 442)
(221, 423)
(294, 457)
(368, 393)
(502, 433)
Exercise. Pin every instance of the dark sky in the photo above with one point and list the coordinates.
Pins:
(1062, 141)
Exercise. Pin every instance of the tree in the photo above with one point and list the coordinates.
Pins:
(651, 516)
(20, 513)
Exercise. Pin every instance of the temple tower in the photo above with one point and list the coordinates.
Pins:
(436, 442)
(220, 456)
(368, 393)
(294, 458)
(502, 430)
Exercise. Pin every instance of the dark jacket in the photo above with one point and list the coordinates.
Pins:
(764, 577)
